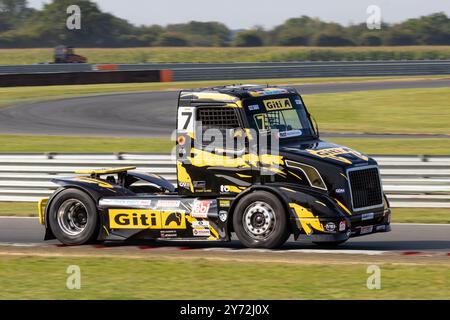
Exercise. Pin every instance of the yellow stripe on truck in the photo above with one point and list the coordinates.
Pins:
(307, 219)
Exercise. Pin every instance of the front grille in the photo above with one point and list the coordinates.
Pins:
(365, 187)
(218, 118)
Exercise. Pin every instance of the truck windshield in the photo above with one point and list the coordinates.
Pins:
(287, 115)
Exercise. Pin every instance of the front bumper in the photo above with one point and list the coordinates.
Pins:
(356, 227)
(343, 236)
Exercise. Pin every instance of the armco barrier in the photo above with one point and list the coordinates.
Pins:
(257, 70)
(88, 77)
(409, 181)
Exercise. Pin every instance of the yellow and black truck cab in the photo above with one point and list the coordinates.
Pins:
(250, 161)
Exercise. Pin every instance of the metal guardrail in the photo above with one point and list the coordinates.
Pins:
(409, 181)
(258, 70)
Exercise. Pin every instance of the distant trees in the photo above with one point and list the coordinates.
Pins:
(433, 29)
(400, 36)
(333, 35)
(202, 34)
(172, 39)
(248, 38)
(21, 26)
(13, 13)
(48, 28)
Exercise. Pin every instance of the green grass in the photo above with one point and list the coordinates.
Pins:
(18, 209)
(16, 95)
(195, 54)
(18, 143)
(386, 111)
(399, 215)
(408, 146)
(118, 278)
(421, 215)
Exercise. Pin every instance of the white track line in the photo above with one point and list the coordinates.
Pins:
(321, 251)
(12, 217)
(14, 244)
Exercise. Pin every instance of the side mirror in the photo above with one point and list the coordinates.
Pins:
(316, 127)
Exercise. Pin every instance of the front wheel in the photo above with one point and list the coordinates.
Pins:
(73, 217)
(260, 221)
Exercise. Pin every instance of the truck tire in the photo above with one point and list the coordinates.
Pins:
(73, 217)
(260, 221)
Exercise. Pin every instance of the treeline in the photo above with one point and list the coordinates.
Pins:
(24, 27)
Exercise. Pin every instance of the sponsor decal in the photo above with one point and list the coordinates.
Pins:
(366, 229)
(277, 104)
(200, 208)
(225, 203)
(125, 202)
(367, 216)
(146, 219)
(381, 228)
(185, 185)
(168, 203)
(168, 234)
(200, 224)
(330, 226)
(298, 102)
(223, 215)
(337, 153)
(201, 232)
(340, 191)
(342, 226)
(290, 133)
(253, 107)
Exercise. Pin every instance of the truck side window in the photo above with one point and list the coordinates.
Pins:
(219, 125)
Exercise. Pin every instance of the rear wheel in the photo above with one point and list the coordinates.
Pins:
(73, 217)
(260, 221)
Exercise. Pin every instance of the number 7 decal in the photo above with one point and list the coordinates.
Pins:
(185, 119)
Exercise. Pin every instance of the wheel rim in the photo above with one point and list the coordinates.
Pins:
(72, 217)
(259, 220)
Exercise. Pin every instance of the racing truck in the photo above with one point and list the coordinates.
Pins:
(262, 189)
(66, 54)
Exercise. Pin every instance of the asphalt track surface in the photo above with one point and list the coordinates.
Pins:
(403, 237)
(147, 114)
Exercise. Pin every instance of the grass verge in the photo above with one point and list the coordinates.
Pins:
(19, 143)
(399, 215)
(45, 278)
(420, 215)
(259, 54)
(386, 111)
(396, 146)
